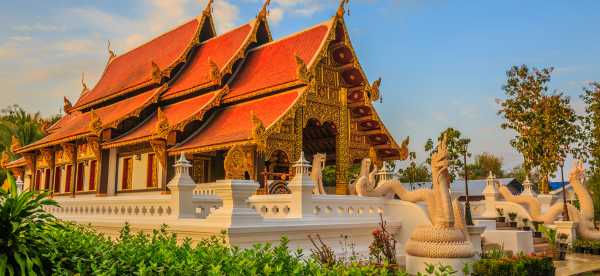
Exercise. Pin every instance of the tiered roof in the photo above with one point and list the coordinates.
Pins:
(225, 83)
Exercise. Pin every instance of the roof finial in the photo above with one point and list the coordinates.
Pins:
(84, 86)
(263, 11)
(111, 53)
(67, 105)
(208, 9)
(340, 10)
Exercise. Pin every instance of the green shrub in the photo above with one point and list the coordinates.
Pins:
(23, 223)
(76, 249)
(520, 265)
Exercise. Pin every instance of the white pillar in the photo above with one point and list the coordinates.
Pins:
(19, 183)
(111, 185)
(301, 187)
(491, 196)
(475, 237)
(566, 227)
(528, 188)
(182, 190)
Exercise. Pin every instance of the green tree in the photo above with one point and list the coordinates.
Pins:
(414, 173)
(26, 127)
(484, 164)
(544, 123)
(590, 134)
(457, 147)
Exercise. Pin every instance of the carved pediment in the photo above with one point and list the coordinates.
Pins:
(95, 125)
(258, 132)
(159, 146)
(163, 127)
(68, 152)
(301, 70)
(215, 72)
(94, 145)
(235, 163)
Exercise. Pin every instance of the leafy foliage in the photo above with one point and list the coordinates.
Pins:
(484, 164)
(518, 265)
(590, 135)
(23, 224)
(544, 123)
(457, 147)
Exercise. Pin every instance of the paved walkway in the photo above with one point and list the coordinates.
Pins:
(577, 263)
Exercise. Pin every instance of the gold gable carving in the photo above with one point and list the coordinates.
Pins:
(215, 73)
(68, 152)
(67, 106)
(157, 74)
(235, 163)
(301, 70)
(162, 125)
(258, 132)
(263, 11)
(95, 125)
(159, 146)
(5, 159)
(94, 145)
(84, 87)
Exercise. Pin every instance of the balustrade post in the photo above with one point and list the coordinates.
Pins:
(182, 189)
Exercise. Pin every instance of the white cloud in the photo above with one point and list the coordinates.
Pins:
(20, 38)
(225, 15)
(38, 27)
(276, 15)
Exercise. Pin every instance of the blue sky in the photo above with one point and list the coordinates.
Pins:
(442, 62)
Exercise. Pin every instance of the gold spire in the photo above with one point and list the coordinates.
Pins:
(208, 9)
(67, 105)
(340, 10)
(263, 11)
(84, 86)
(375, 95)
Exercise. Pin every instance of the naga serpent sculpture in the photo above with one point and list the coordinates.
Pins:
(584, 216)
(446, 237)
(317, 173)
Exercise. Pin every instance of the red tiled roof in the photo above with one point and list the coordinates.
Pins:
(77, 124)
(176, 113)
(16, 163)
(134, 68)
(221, 50)
(275, 63)
(234, 123)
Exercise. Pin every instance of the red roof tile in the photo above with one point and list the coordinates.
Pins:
(134, 68)
(234, 123)
(221, 50)
(77, 123)
(176, 113)
(274, 63)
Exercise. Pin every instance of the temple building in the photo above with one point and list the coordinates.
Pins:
(238, 105)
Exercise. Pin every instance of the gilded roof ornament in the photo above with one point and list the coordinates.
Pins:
(341, 10)
(111, 53)
(44, 127)
(67, 105)
(215, 73)
(263, 11)
(15, 143)
(208, 9)
(404, 148)
(258, 132)
(5, 159)
(84, 87)
(95, 125)
(301, 69)
(375, 95)
(234, 163)
(156, 73)
(162, 125)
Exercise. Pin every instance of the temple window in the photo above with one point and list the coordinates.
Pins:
(92, 180)
(126, 177)
(57, 178)
(151, 171)
(47, 179)
(68, 179)
(201, 170)
(38, 179)
(80, 175)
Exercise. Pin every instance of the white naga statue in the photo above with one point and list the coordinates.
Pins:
(584, 216)
(446, 237)
(317, 173)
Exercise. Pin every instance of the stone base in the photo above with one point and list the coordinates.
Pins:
(416, 264)
(567, 227)
(489, 224)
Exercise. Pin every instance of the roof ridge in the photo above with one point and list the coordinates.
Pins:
(288, 36)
